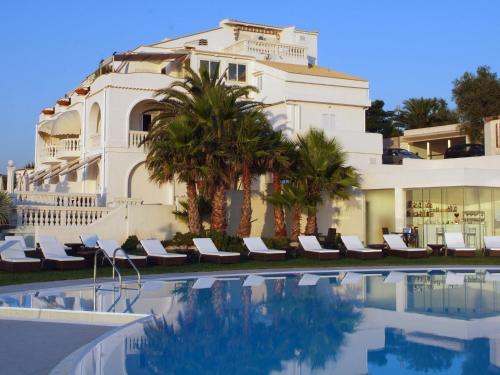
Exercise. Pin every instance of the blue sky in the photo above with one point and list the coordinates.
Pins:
(405, 48)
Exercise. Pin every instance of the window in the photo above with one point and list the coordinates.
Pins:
(498, 134)
(146, 122)
(237, 72)
(328, 121)
(211, 66)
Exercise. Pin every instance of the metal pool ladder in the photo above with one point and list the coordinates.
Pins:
(112, 262)
(115, 267)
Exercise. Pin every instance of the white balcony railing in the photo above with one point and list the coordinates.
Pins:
(46, 216)
(29, 198)
(270, 50)
(135, 138)
(68, 148)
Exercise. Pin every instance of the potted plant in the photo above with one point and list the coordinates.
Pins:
(82, 90)
(48, 111)
(64, 101)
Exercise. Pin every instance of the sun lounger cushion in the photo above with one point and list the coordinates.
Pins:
(13, 251)
(207, 247)
(109, 247)
(21, 240)
(156, 249)
(311, 244)
(256, 245)
(492, 242)
(54, 250)
(89, 240)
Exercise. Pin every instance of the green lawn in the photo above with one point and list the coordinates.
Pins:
(7, 278)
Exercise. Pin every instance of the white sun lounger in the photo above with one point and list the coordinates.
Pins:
(122, 259)
(13, 258)
(21, 240)
(312, 249)
(157, 253)
(209, 251)
(355, 249)
(89, 240)
(455, 245)
(259, 251)
(492, 245)
(397, 247)
(54, 253)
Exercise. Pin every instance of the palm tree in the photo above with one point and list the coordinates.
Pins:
(176, 152)
(206, 112)
(253, 148)
(280, 163)
(5, 207)
(322, 169)
(291, 196)
(425, 112)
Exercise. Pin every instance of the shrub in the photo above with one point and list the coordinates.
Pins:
(130, 243)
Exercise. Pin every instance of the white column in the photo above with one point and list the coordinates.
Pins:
(449, 143)
(428, 150)
(10, 176)
(399, 209)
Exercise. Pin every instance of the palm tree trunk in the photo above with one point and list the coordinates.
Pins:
(245, 227)
(311, 224)
(296, 216)
(279, 213)
(194, 220)
(218, 221)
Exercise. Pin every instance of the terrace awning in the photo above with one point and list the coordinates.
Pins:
(67, 123)
(86, 162)
(148, 56)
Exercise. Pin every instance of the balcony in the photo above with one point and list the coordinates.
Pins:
(65, 149)
(135, 139)
(266, 50)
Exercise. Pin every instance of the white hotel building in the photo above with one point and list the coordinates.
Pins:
(89, 166)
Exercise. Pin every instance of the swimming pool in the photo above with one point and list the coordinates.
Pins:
(357, 322)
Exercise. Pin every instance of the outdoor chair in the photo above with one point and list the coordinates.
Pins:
(455, 245)
(209, 252)
(109, 247)
(259, 251)
(158, 255)
(492, 246)
(312, 249)
(355, 249)
(13, 258)
(398, 248)
(55, 256)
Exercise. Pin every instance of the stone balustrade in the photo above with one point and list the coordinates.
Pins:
(47, 216)
(68, 148)
(272, 50)
(28, 198)
(135, 139)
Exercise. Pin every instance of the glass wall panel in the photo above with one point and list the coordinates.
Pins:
(473, 211)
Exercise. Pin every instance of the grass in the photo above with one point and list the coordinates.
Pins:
(7, 278)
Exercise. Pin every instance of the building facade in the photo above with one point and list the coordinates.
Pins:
(90, 175)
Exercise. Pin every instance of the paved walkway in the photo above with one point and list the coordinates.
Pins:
(35, 348)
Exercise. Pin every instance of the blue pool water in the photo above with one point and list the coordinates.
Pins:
(334, 323)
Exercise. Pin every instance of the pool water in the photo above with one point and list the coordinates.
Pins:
(323, 323)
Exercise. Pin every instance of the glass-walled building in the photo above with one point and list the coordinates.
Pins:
(474, 211)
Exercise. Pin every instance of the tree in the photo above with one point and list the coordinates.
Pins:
(292, 196)
(477, 96)
(253, 148)
(176, 151)
(205, 114)
(322, 170)
(380, 121)
(5, 207)
(425, 112)
(280, 164)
